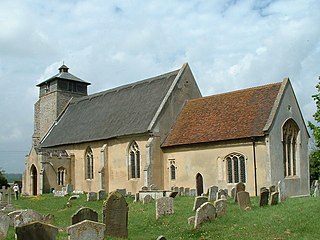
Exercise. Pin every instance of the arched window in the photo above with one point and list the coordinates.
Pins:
(173, 170)
(236, 168)
(89, 163)
(290, 132)
(61, 176)
(134, 160)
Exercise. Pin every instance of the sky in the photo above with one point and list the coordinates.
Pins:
(229, 45)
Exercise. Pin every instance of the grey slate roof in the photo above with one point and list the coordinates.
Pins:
(125, 110)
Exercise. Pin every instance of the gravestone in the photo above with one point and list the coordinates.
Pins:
(233, 190)
(191, 220)
(262, 189)
(212, 193)
(282, 191)
(164, 206)
(4, 225)
(243, 199)
(122, 191)
(187, 192)
(59, 193)
(153, 187)
(161, 238)
(264, 198)
(26, 217)
(316, 189)
(92, 196)
(274, 199)
(12, 215)
(198, 201)
(144, 188)
(173, 194)
(86, 230)
(221, 193)
(181, 191)
(102, 195)
(193, 192)
(272, 189)
(84, 213)
(73, 197)
(176, 189)
(240, 187)
(206, 212)
(221, 207)
(69, 188)
(115, 215)
(36, 231)
(136, 197)
(147, 199)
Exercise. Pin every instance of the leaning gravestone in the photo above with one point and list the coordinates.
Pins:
(173, 194)
(164, 206)
(115, 215)
(221, 207)
(147, 199)
(86, 230)
(27, 216)
(264, 198)
(4, 225)
(240, 187)
(206, 212)
(84, 213)
(243, 200)
(212, 193)
(36, 231)
(198, 201)
(274, 199)
(92, 196)
(282, 191)
(102, 195)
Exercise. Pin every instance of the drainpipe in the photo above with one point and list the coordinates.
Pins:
(254, 165)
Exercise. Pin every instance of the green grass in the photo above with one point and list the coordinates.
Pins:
(297, 218)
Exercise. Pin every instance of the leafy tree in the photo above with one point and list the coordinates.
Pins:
(3, 180)
(314, 157)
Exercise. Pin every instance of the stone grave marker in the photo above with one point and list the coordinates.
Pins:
(240, 187)
(243, 199)
(262, 189)
(136, 197)
(86, 230)
(122, 191)
(264, 198)
(12, 215)
(73, 197)
(272, 189)
(191, 220)
(4, 225)
(176, 189)
(187, 192)
(193, 192)
(316, 189)
(221, 193)
(36, 231)
(69, 188)
(233, 190)
(59, 193)
(84, 213)
(181, 191)
(147, 199)
(161, 238)
(144, 188)
(173, 194)
(212, 193)
(102, 195)
(206, 212)
(27, 216)
(282, 191)
(164, 206)
(92, 196)
(115, 215)
(221, 207)
(274, 199)
(198, 201)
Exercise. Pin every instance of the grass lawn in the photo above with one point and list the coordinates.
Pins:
(297, 218)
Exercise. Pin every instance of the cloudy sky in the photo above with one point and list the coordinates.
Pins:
(229, 45)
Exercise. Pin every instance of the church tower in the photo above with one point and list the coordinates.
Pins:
(54, 94)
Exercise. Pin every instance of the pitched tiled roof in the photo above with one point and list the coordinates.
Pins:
(227, 116)
(121, 111)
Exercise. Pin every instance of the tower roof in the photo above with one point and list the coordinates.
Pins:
(64, 74)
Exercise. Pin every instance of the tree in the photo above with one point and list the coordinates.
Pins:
(314, 157)
(3, 179)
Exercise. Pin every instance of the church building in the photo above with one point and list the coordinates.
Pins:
(161, 132)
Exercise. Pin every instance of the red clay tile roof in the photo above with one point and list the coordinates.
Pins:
(227, 116)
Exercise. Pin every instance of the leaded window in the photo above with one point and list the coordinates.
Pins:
(290, 132)
(61, 176)
(134, 160)
(173, 170)
(89, 163)
(236, 168)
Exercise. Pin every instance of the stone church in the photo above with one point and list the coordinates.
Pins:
(161, 132)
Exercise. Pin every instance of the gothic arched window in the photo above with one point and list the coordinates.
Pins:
(173, 170)
(236, 168)
(290, 132)
(89, 163)
(61, 176)
(134, 160)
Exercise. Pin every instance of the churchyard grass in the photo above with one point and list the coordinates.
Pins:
(296, 218)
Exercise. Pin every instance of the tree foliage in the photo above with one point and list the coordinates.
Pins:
(314, 157)
(3, 179)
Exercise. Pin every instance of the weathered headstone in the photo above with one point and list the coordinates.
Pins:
(12, 215)
(187, 191)
(86, 230)
(262, 189)
(240, 187)
(102, 195)
(147, 199)
(73, 197)
(233, 191)
(193, 192)
(27, 216)
(161, 238)
(206, 212)
(243, 199)
(122, 191)
(59, 193)
(212, 193)
(221, 193)
(272, 189)
(164, 206)
(4, 225)
(153, 187)
(92, 196)
(136, 197)
(191, 220)
(36, 231)
(282, 191)
(264, 198)
(176, 189)
(274, 199)
(181, 191)
(144, 188)
(221, 207)
(173, 194)
(84, 213)
(69, 188)
(115, 215)
(198, 201)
